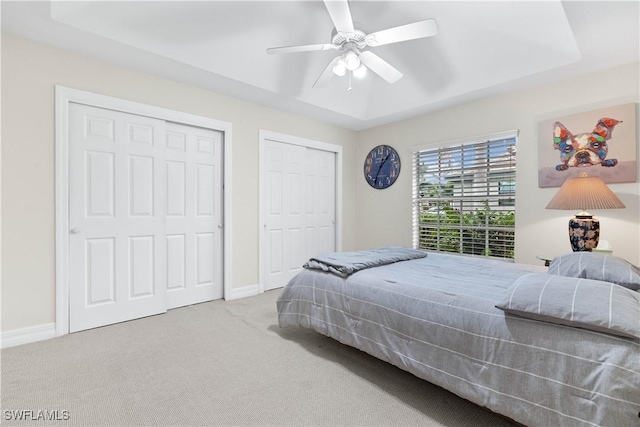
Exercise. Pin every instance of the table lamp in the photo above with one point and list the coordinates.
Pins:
(582, 193)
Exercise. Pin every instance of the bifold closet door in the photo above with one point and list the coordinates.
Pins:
(145, 216)
(117, 245)
(299, 186)
(194, 215)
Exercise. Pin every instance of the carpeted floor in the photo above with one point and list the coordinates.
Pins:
(218, 363)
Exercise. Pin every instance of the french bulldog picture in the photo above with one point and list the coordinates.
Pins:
(584, 149)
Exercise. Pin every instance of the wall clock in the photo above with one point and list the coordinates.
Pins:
(382, 166)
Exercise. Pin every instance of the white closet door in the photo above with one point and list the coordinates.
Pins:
(116, 217)
(320, 202)
(300, 209)
(194, 214)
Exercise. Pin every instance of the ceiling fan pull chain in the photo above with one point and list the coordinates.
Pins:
(350, 74)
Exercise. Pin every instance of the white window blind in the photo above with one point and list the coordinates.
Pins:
(464, 198)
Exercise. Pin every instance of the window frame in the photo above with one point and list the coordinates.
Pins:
(500, 196)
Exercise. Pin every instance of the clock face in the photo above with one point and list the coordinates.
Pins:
(382, 167)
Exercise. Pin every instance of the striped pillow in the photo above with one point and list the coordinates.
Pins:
(596, 266)
(589, 304)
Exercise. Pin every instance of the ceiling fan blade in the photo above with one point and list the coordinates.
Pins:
(326, 74)
(380, 66)
(340, 15)
(402, 33)
(302, 48)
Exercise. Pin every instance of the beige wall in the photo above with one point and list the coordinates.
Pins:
(371, 217)
(29, 72)
(384, 216)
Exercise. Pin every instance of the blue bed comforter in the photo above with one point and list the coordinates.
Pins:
(346, 263)
(436, 318)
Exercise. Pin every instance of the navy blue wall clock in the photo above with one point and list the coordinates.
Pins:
(382, 167)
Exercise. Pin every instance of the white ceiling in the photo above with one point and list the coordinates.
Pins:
(482, 48)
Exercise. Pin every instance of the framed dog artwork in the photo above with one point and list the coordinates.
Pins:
(599, 142)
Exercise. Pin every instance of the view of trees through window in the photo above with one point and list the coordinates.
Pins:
(464, 198)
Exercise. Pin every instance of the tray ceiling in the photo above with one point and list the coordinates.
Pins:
(481, 49)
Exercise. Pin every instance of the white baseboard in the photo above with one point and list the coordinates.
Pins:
(26, 335)
(245, 291)
(48, 330)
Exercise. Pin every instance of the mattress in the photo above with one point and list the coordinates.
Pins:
(436, 317)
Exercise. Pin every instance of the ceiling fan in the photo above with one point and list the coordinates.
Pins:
(351, 43)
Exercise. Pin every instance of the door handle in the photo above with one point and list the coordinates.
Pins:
(74, 230)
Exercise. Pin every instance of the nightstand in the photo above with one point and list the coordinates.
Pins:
(602, 251)
(546, 259)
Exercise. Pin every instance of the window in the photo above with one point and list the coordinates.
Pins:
(464, 197)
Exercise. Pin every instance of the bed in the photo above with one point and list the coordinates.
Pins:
(562, 349)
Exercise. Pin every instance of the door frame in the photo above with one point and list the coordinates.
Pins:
(63, 97)
(266, 135)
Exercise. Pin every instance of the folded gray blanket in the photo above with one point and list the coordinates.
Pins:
(345, 263)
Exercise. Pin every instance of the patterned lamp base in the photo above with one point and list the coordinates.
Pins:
(584, 232)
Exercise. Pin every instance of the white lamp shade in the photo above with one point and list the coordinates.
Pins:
(340, 68)
(351, 60)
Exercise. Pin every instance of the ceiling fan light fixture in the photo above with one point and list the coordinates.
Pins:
(351, 60)
(360, 72)
(340, 67)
